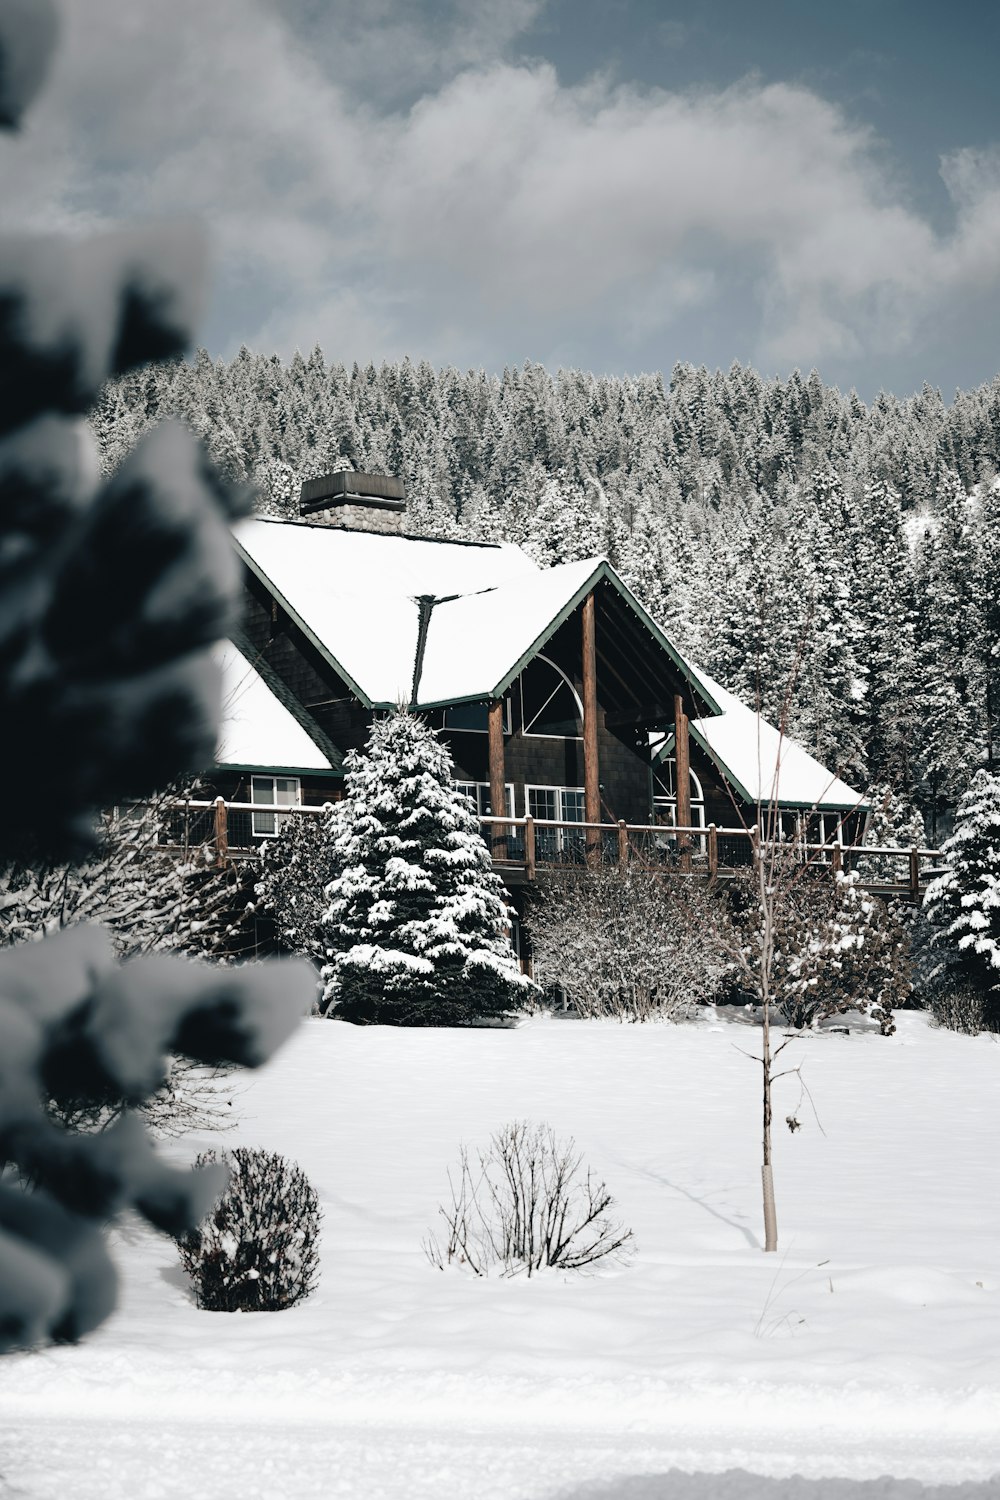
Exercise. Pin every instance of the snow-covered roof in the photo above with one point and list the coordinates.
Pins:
(258, 732)
(474, 641)
(761, 763)
(354, 592)
(355, 595)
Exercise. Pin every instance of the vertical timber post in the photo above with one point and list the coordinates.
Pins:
(713, 851)
(221, 832)
(529, 847)
(498, 779)
(682, 780)
(591, 763)
(622, 847)
(915, 874)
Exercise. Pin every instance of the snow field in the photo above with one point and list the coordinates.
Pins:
(870, 1344)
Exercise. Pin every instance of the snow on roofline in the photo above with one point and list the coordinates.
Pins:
(257, 732)
(764, 765)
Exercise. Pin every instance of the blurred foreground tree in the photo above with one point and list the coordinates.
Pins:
(111, 596)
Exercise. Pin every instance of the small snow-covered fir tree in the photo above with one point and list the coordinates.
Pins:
(417, 920)
(963, 904)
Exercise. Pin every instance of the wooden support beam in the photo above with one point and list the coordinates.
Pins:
(221, 832)
(915, 874)
(591, 763)
(529, 847)
(682, 779)
(622, 847)
(713, 851)
(498, 778)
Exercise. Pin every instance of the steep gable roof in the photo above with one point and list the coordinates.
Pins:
(474, 614)
(259, 731)
(761, 763)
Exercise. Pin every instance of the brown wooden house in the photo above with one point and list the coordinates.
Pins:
(558, 695)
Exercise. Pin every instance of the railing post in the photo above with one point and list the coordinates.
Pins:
(838, 859)
(915, 874)
(221, 831)
(529, 848)
(622, 846)
(713, 851)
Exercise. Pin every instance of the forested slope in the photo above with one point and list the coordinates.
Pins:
(799, 544)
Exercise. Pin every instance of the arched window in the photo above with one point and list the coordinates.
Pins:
(665, 796)
(550, 704)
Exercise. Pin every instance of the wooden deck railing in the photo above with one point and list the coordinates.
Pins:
(526, 845)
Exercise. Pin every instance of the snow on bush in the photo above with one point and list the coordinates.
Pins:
(527, 1205)
(296, 866)
(111, 598)
(638, 946)
(963, 904)
(257, 1251)
(834, 948)
(417, 920)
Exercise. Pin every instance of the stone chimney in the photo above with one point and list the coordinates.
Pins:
(355, 502)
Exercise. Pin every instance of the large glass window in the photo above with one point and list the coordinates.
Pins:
(473, 718)
(272, 793)
(550, 704)
(665, 796)
(478, 793)
(559, 804)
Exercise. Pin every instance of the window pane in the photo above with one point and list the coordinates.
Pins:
(573, 808)
(263, 824)
(542, 802)
(287, 791)
(262, 790)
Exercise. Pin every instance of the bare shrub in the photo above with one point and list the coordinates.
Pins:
(637, 946)
(961, 1007)
(527, 1205)
(257, 1251)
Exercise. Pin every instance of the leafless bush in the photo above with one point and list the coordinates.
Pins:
(528, 1205)
(961, 1007)
(257, 1249)
(637, 946)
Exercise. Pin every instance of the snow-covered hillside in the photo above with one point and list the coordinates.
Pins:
(869, 1344)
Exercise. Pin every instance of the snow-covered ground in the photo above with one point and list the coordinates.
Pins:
(869, 1345)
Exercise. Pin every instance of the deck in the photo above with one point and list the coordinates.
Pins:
(522, 848)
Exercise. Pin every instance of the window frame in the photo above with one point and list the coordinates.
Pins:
(530, 734)
(274, 810)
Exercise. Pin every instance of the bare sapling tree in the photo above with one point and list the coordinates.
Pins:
(798, 934)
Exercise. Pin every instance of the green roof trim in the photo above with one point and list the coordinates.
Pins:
(601, 573)
(781, 803)
(276, 684)
(310, 635)
(231, 765)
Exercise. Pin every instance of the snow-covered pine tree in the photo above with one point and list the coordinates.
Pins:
(963, 904)
(894, 824)
(417, 920)
(111, 595)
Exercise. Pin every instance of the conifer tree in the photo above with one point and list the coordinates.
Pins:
(963, 904)
(417, 920)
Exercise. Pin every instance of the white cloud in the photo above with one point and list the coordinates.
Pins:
(496, 201)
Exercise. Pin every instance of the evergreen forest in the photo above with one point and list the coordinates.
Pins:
(836, 563)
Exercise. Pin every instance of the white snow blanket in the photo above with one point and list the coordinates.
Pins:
(869, 1345)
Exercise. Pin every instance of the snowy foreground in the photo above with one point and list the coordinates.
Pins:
(870, 1345)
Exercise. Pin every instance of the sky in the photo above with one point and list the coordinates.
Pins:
(615, 187)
